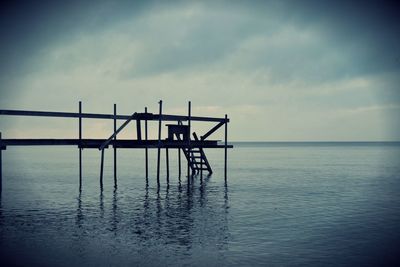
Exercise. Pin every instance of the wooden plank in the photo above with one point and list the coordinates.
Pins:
(142, 116)
(120, 143)
(216, 127)
(116, 132)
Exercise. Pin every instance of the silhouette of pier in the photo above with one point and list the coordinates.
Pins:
(179, 137)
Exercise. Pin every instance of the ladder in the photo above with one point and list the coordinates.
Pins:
(196, 157)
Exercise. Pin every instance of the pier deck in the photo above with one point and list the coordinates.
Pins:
(119, 143)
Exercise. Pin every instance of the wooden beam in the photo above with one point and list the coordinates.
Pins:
(167, 163)
(138, 130)
(216, 127)
(226, 147)
(115, 149)
(188, 150)
(101, 169)
(120, 143)
(142, 116)
(80, 148)
(1, 166)
(146, 149)
(159, 145)
(107, 142)
(179, 162)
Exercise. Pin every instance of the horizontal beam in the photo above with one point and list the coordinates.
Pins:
(141, 116)
(120, 143)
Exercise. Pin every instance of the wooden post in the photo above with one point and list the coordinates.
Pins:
(80, 145)
(201, 168)
(146, 149)
(159, 144)
(115, 149)
(101, 169)
(167, 161)
(226, 146)
(138, 130)
(189, 150)
(1, 166)
(179, 161)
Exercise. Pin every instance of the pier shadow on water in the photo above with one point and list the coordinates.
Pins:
(179, 223)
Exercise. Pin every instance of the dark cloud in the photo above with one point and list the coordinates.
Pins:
(370, 28)
(289, 57)
(27, 27)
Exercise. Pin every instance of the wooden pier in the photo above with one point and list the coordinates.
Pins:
(179, 137)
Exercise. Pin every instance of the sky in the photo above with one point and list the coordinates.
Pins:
(281, 70)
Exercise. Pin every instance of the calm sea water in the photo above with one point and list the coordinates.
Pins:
(285, 204)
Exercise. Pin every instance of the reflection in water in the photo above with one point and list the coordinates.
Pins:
(79, 213)
(168, 217)
(114, 218)
(101, 199)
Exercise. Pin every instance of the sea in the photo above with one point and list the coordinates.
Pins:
(282, 204)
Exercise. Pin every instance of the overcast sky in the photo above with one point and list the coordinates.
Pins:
(284, 70)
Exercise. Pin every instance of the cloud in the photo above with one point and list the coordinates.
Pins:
(278, 73)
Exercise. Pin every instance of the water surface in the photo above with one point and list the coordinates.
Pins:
(285, 204)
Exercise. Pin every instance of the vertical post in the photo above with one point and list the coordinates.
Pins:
(146, 149)
(179, 161)
(201, 168)
(1, 166)
(80, 145)
(226, 146)
(101, 169)
(189, 129)
(115, 149)
(167, 161)
(159, 144)
(138, 130)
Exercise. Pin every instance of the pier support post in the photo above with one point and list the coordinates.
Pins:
(179, 162)
(115, 149)
(80, 145)
(1, 166)
(146, 150)
(159, 144)
(101, 169)
(189, 149)
(167, 162)
(226, 146)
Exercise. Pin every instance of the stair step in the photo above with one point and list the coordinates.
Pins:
(197, 162)
(200, 169)
(195, 157)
